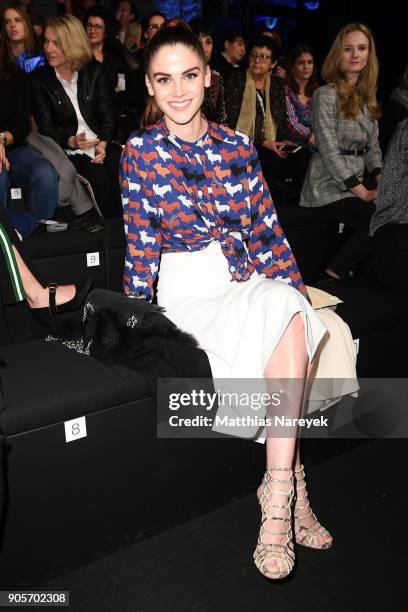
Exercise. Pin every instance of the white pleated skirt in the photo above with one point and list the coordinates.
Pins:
(239, 325)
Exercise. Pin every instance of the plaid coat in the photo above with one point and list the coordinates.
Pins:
(330, 174)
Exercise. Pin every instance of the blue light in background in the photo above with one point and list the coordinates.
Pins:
(267, 21)
(311, 6)
(186, 9)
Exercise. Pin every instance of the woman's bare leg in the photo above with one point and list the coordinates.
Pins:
(287, 364)
(37, 295)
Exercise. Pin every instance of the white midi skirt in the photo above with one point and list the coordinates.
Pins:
(239, 325)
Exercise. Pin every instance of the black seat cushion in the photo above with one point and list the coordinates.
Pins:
(44, 383)
(41, 245)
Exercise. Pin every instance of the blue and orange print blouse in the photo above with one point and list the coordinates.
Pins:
(180, 196)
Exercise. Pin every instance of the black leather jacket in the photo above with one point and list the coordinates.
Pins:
(53, 110)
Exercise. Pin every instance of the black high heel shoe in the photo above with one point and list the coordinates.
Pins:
(45, 315)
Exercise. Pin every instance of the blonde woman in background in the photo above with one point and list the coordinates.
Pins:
(72, 104)
(344, 122)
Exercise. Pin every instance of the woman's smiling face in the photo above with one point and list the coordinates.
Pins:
(176, 78)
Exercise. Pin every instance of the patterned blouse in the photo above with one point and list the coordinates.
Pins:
(299, 117)
(180, 196)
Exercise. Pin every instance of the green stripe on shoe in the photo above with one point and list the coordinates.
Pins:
(11, 264)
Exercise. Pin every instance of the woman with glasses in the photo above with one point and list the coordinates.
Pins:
(120, 66)
(151, 25)
(255, 103)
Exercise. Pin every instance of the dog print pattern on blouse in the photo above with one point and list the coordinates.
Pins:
(180, 196)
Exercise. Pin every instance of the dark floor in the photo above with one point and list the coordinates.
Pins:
(206, 565)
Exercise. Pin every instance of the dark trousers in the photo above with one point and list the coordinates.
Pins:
(390, 256)
(354, 213)
(284, 176)
(104, 179)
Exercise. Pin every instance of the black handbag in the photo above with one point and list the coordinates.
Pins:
(118, 328)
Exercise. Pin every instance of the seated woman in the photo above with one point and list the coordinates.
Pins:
(194, 199)
(389, 224)
(18, 35)
(72, 104)
(255, 104)
(20, 164)
(119, 65)
(300, 84)
(344, 121)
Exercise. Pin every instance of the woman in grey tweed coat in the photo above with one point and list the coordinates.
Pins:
(344, 120)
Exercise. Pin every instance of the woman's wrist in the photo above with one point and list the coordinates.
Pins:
(72, 142)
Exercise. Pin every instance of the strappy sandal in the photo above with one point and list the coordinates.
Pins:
(307, 535)
(282, 553)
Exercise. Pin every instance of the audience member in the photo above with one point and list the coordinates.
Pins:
(17, 34)
(256, 106)
(389, 224)
(395, 110)
(19, 163)
(214, 98)
(344, 121)
(232, 54)
(125, 14)
(133, 36)
(152, 24)
(119, 65)
(301, 82)
(279, 69)
(72, 105)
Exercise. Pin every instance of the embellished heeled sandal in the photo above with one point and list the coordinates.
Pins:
(307, 535)
(265, 552)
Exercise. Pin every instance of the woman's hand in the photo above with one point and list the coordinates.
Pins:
(275, 146)
(100, 152)
(80, 142)
(3, 159)
(312, 140)
(368, 195)
(280, 72)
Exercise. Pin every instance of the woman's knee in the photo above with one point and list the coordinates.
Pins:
(296, 325)
(44, 173)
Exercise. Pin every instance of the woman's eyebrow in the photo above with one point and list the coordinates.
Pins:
(165, 74)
